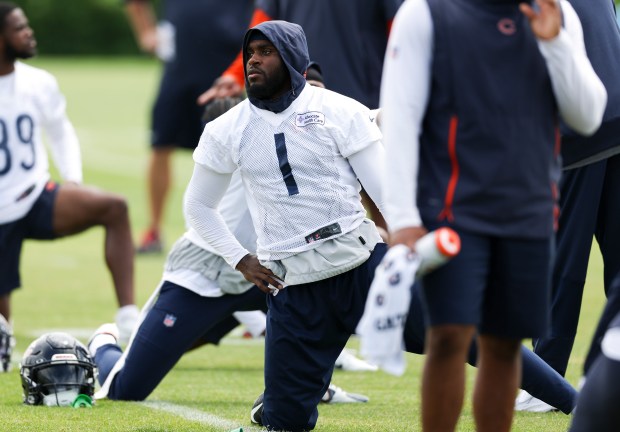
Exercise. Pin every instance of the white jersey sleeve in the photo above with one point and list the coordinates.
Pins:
(204, 192)
(30, 102)
(405, 89)
(62, 139)
(580, 94)
(236, 214)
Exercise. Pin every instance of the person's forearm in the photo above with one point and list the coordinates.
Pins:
(405, 91)
(580, 94)
(204, 192)
(143, 22)
(368, 165)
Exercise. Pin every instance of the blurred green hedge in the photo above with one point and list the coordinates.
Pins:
(70, 27)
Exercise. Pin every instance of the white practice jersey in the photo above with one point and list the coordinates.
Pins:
(294, 165)
(29, 101)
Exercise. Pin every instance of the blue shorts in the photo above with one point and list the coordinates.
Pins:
(176, 117)
(500, 285)
(36, 224)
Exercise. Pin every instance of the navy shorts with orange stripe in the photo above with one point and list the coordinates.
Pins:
(37, 224)
(500, 285)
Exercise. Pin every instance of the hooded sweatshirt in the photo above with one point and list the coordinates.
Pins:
(290, 41)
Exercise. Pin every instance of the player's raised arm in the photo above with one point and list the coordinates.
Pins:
(580, 94)
(143, 22)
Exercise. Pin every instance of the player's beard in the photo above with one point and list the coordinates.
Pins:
(13, 54)
(273, 87)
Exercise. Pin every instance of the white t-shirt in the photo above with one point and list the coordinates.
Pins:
(294, 165)
(30, 100)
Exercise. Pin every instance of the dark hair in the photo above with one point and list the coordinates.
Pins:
(314, 72)
(5, 9)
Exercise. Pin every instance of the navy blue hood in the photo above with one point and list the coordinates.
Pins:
(290, 41)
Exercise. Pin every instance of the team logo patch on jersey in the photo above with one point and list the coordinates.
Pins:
(507, 26)
(311, 117)
(169, 320)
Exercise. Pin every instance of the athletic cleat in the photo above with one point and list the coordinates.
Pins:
(348, 362)
(335, 394)
(150, 244)
(256, 415)
(104, 335)
(527, 402)
(126, 320)
(7, 343)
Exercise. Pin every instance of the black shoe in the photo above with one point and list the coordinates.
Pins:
(256, 415)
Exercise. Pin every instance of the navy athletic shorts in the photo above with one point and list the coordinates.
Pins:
(177, 118)
(36, 224)
(500, 285)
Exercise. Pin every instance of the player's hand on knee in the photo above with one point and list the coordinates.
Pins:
(256, 273)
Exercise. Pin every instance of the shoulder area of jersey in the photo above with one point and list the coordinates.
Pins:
(34, 75)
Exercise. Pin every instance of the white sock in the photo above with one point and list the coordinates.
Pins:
(254, 321)
(99, 341)
(128, 311)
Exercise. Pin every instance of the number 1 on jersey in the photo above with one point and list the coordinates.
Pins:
(285, 167)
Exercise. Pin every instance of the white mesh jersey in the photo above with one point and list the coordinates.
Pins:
(29, 101)
(294, 165)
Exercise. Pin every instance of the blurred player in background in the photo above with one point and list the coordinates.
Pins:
(31, 205)
(589, 204)
(471, 94)
(196, 40)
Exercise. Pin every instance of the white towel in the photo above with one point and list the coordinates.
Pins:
(382, 325)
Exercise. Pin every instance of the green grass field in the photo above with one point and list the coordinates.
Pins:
(66, 287)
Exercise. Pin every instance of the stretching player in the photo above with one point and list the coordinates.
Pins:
(31, 205)
(192, 306)
(300, 150)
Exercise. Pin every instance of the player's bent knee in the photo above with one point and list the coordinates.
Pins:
(117, 208)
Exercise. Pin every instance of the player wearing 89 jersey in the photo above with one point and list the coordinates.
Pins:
(300, 151)
(31, 206)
